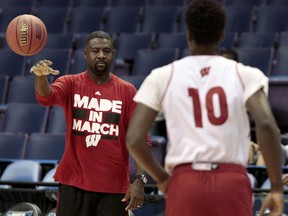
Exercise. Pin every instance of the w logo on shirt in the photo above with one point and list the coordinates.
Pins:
(205, 71)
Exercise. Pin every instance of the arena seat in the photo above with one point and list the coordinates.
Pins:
(24, 118)
(23, 208)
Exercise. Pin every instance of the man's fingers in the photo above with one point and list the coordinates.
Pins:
(46, 62)
(133, 204)
(32, 69)
(43, 68)
(55, 72)
(126, 198)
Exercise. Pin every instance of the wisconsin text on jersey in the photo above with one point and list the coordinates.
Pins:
(96, 118)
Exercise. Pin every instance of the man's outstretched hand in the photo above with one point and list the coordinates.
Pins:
(42, 68)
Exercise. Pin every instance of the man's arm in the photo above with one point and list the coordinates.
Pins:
(268, 138)
(42, 86)
(139, 126)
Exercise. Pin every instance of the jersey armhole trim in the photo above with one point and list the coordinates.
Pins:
(237, 71)
(169, 81)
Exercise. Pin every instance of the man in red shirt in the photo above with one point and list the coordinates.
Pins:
(94, 170)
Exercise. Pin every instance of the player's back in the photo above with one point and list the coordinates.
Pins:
(205, 111)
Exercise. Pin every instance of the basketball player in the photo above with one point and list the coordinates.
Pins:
(204, 98)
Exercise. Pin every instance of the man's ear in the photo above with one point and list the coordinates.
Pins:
(85, 53)
(189, 39)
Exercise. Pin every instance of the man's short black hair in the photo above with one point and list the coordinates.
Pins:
(205, 21)
(98, 34)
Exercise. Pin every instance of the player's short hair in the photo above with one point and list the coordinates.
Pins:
(98, 34)
(205, 21)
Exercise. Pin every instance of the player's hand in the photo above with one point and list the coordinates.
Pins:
(274, 201)
(135, 195)
(42, 68)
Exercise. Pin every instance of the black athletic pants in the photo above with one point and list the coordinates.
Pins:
(73, 201)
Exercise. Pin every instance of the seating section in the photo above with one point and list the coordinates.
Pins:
(148, 59)
(126, 45)
(78, 63)
(59, 57)
(55, 20)
(281, 63)
(135, 80)
(122, 19)
(60, 41)
(229, 40)
(277, 2)
(83, 15)
(4, 81)
(49, 178)
(16, 3)
(129, 3)
(21, 90)
(56, 121)
(25, 118)
(243, 2)
(283, 39)
(23, 207)
(9, 13)
(278, 88)
(172, 40)
(255, 40)
(256, 57)
(12, 146)
(158, 19)
(270, 19)
(54, 4)
(239, 18)
(174, 3)
(22, 171)
(92, 3)
(11, 64)
(45, 148)
(146, 34)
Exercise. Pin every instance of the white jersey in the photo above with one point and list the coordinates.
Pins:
(203, 99)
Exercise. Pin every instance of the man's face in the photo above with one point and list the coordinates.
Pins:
(99, 54)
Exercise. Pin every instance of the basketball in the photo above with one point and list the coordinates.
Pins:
(26, 35)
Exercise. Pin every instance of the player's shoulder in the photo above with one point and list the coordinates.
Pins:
(246, 68)
(163, 70)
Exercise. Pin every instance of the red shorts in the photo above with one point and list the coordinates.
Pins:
(224, 191)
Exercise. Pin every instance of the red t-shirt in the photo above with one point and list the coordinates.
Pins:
(97, 116)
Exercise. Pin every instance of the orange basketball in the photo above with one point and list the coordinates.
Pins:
(26, 35)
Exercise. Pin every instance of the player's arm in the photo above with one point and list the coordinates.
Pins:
(136, 137)
(41, 70)
(268, 138)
